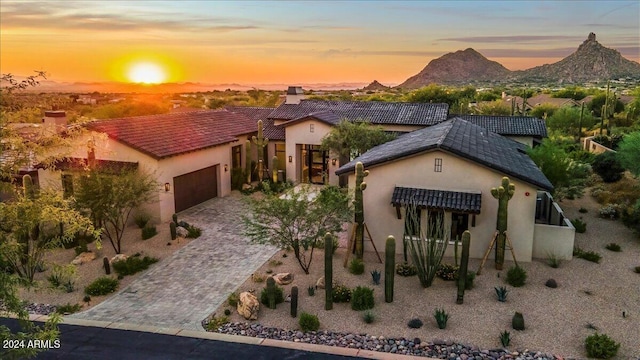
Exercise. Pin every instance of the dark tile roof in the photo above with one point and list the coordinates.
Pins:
(165, 135)
(377, 112)
(111, 166)
(326, 116)
(509, 125)
(464, 139)
(438, 199)
(270, 131)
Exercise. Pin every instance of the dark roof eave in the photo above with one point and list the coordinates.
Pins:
(161, 157)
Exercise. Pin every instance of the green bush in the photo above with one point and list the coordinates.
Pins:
(132, 265)
(227, 312)
(415, 323)
(447, 272)
(356, 266)
(68, 309)
(101, 286)
(406, 269)
(441, 317)
(608, 167)
(193, 232)
(320, 244)
(148, 232)
(601, 346)
(368, 317)
(580, 225)
(613, 247)
(553, 260)
(264, 298)
(238, 178)
(142, 219)
(516, 276)
(215, 322)
(341, 293)
(308, 322)
(583, 210)
(63, 276)
(587, 255)
(233, 299)
(362, 298)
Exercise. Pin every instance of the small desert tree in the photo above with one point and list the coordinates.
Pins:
(352, 139)
(298, 220)
(629, 152)
(110, 196)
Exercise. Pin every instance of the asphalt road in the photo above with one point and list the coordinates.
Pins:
(80, 343)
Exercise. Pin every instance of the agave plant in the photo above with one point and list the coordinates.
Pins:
(501, 292)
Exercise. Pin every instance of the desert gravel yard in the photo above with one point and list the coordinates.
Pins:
(589, 296)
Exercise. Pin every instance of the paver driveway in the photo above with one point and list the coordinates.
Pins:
(186, 287)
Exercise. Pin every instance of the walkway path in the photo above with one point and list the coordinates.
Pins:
(185, 288)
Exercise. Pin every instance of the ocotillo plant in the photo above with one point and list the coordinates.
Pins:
(328, 272)
(174, 232)
(274, 169)
(294, 301)
(503, 193)
(464, 265)
(359, 208)
(247, 160)
(271, 292)
(261, 142)
(389, 268)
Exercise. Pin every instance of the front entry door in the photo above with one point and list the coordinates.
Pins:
(314, 167)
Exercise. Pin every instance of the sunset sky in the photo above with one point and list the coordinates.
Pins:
(295, 42)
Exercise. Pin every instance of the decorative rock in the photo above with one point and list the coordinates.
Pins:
(320, 283)
(551, 283)
(182, 232)
(119, 257)
(283, 278)
(84, 257)
(246, 187)
(248, 306)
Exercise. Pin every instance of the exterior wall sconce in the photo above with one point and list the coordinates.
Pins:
(226, 167)
(290, 158)
(167, 187)
(333, 162)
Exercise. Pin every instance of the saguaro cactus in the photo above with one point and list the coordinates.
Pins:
(503, 193)
(359, 208)
(294, 301)
(464, 265)
(174, 232)
(274, 169)
(261, 142)
(328, 272)
(389, 268)
(271, 292)
(27, 186)
(247, 160)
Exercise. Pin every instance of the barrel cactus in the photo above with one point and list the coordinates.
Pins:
(503, 193)
(328, 271)
(517, 322)
(389, 268)
(174, 231)
(464, 265)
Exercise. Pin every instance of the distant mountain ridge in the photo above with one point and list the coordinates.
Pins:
(590, 62)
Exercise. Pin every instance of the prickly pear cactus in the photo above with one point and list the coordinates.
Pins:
(261, 142)
(464, 266)
(389, 268)
(328, 272)
(503, 193)
(359, 208)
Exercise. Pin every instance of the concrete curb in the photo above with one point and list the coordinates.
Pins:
(335, 350)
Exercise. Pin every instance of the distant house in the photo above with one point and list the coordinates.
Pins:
(547, 99)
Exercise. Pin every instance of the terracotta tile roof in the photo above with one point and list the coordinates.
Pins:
(269, 130)
(438, 199)
(165, 135)
(509, 125)
(463, 139)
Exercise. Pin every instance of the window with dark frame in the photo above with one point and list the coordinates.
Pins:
(236, 157)
(438, 165)
(459, 224)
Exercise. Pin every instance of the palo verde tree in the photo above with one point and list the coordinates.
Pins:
(109, 196)
(352, 139)
(298, 220)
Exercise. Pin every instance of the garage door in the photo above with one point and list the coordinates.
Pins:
(195, 187)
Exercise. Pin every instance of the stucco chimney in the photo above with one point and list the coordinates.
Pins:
(294, 95)
(55, 118)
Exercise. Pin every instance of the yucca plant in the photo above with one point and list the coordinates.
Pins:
(505, 338)
(428, 248)
(501, 292)
(441, 318)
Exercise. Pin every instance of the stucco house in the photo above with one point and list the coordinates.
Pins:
(449, 168)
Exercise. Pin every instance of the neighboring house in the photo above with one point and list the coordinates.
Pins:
(190, 154)
(450, 168)
(527, 130)
(547, 99)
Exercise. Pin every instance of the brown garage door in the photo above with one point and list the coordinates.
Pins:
(195, 187)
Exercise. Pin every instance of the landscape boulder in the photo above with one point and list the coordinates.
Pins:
(119, 257)
(320, 283)
(182, 232)
(84, 257)
(551, 283)
(248, 306)
(283, 278)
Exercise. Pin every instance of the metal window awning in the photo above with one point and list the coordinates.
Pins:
(463, 202)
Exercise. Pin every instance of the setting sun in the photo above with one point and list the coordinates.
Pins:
(146, 73)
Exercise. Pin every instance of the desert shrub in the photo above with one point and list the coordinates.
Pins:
(613, 247)
(601, 346)
(368, 317)
(362, 298)
(68, 309)
(630, 216)
(82, 248)
(608, 167)
(215, 322)
(141, 219)
(257, 278)
(553, 260)
(320, 243)
(227, 312)
(264, 298)
(311, 290)
(63, 276)
(275, 263)
(86, 298)
(193, 232)
(441, 317)
(516, 276)
(505, 338)
(609, 212)
(587, 255)
(237, 178)
(101, 286)
(415, 323)
(583, 210)
(132, 265)
(308, 322)
(233, 299)
(406, 269)
(356, 266)
(637, 269)
(501, 293)
(149, 231)
(447, 272)
(341, 293)
(580, 225)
